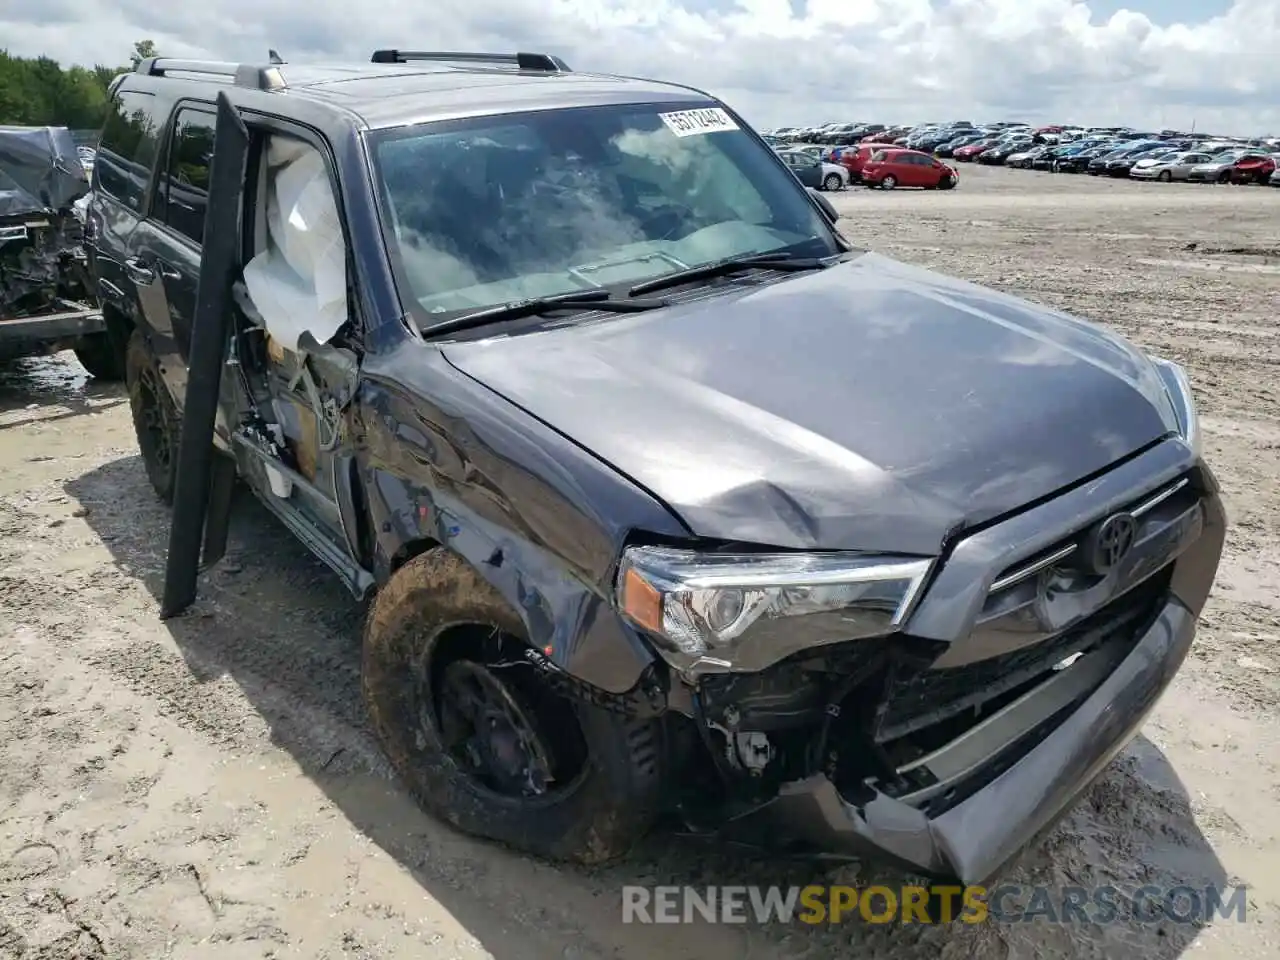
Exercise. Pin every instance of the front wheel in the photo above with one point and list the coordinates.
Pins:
(101, 356)
(946, 183)
(156, 421)
(831, 182)
(1165, 176)
(889, 182)
(481, 740)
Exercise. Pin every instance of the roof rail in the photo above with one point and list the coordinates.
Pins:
(241, 74)
(542, 62)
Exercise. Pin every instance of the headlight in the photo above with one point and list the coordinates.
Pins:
(1178, 387)
(744, 611)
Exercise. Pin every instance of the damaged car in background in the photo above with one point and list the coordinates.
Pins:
(45, 299)
(670, 499)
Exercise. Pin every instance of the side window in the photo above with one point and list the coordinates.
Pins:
(128, 148)
(185, 187)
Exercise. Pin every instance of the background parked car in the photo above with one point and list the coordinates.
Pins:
(1253, 168)
(968, 152)
(949, 147)
(1172, 166)
(815, 172)
(1023, 159)
(1121, 165)
(854, 158)
(1218, 169)
(888, 169)
(1004, 148)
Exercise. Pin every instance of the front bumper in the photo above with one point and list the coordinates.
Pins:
(22, 336)
(972, 840)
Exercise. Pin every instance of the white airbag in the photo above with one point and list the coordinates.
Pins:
(299, 282)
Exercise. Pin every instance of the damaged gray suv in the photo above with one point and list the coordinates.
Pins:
(670, 501)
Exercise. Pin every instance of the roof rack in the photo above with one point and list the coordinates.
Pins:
(541, 62)
(241, 74)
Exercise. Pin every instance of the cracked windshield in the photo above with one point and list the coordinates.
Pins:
(491, 211)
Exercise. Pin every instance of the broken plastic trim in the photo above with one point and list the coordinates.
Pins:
(210, 334)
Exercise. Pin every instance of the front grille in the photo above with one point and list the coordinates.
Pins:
(918, 698)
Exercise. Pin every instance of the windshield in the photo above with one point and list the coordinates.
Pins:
(487, 211)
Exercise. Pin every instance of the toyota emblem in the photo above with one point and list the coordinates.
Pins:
(1110, 543)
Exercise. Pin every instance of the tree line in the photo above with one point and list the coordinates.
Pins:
(40, 92)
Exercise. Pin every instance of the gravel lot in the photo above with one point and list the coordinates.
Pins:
(208, 788)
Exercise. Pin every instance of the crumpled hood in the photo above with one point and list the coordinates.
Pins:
(872, 405)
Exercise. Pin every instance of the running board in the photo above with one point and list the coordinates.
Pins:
(358, 580)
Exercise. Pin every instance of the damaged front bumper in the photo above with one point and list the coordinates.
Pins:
(1047, 709)
(972, 841)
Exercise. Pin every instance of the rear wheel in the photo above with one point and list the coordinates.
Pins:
(831, 182)
(1224, 176)
(156, 421)
(481, 741)
(889, 182)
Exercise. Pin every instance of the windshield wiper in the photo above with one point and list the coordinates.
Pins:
(574, 300)
(720, 268)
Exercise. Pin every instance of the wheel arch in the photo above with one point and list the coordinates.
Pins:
(567, 621)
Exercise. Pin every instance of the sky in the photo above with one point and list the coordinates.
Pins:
(1146, 63)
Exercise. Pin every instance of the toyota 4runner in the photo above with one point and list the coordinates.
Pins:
(669, 498)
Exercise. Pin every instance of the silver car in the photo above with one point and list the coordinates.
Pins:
(1170, 166)
(1217, 169)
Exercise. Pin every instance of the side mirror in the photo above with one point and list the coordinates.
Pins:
(824, 205)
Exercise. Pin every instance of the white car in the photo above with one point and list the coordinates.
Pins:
(815, 172)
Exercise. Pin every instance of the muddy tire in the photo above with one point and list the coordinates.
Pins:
(100, 354)
(156, 422)
(435, 612)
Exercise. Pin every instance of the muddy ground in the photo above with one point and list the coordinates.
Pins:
(208, 788)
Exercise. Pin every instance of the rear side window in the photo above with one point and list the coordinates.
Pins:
(127, 153)
(184, 189)
(880, 156)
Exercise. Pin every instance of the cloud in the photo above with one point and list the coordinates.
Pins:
(777, 61)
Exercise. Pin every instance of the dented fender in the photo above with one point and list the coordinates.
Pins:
(537, 516)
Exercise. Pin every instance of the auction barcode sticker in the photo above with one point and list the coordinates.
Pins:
(689, 123)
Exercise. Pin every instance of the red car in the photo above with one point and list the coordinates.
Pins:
(855, 158)
(907, 168)
(970, 151)
(886, 136)
(1253, 168)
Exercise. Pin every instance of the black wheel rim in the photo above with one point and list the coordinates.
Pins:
(153, 425)
(493, 733)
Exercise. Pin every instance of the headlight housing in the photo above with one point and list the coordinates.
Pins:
(720, 612)
(1178, 387)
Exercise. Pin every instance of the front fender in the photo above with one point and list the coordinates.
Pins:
(445, 461)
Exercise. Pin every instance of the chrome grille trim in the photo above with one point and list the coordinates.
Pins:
(1144, 507)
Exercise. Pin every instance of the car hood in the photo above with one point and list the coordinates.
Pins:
(872, 405)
